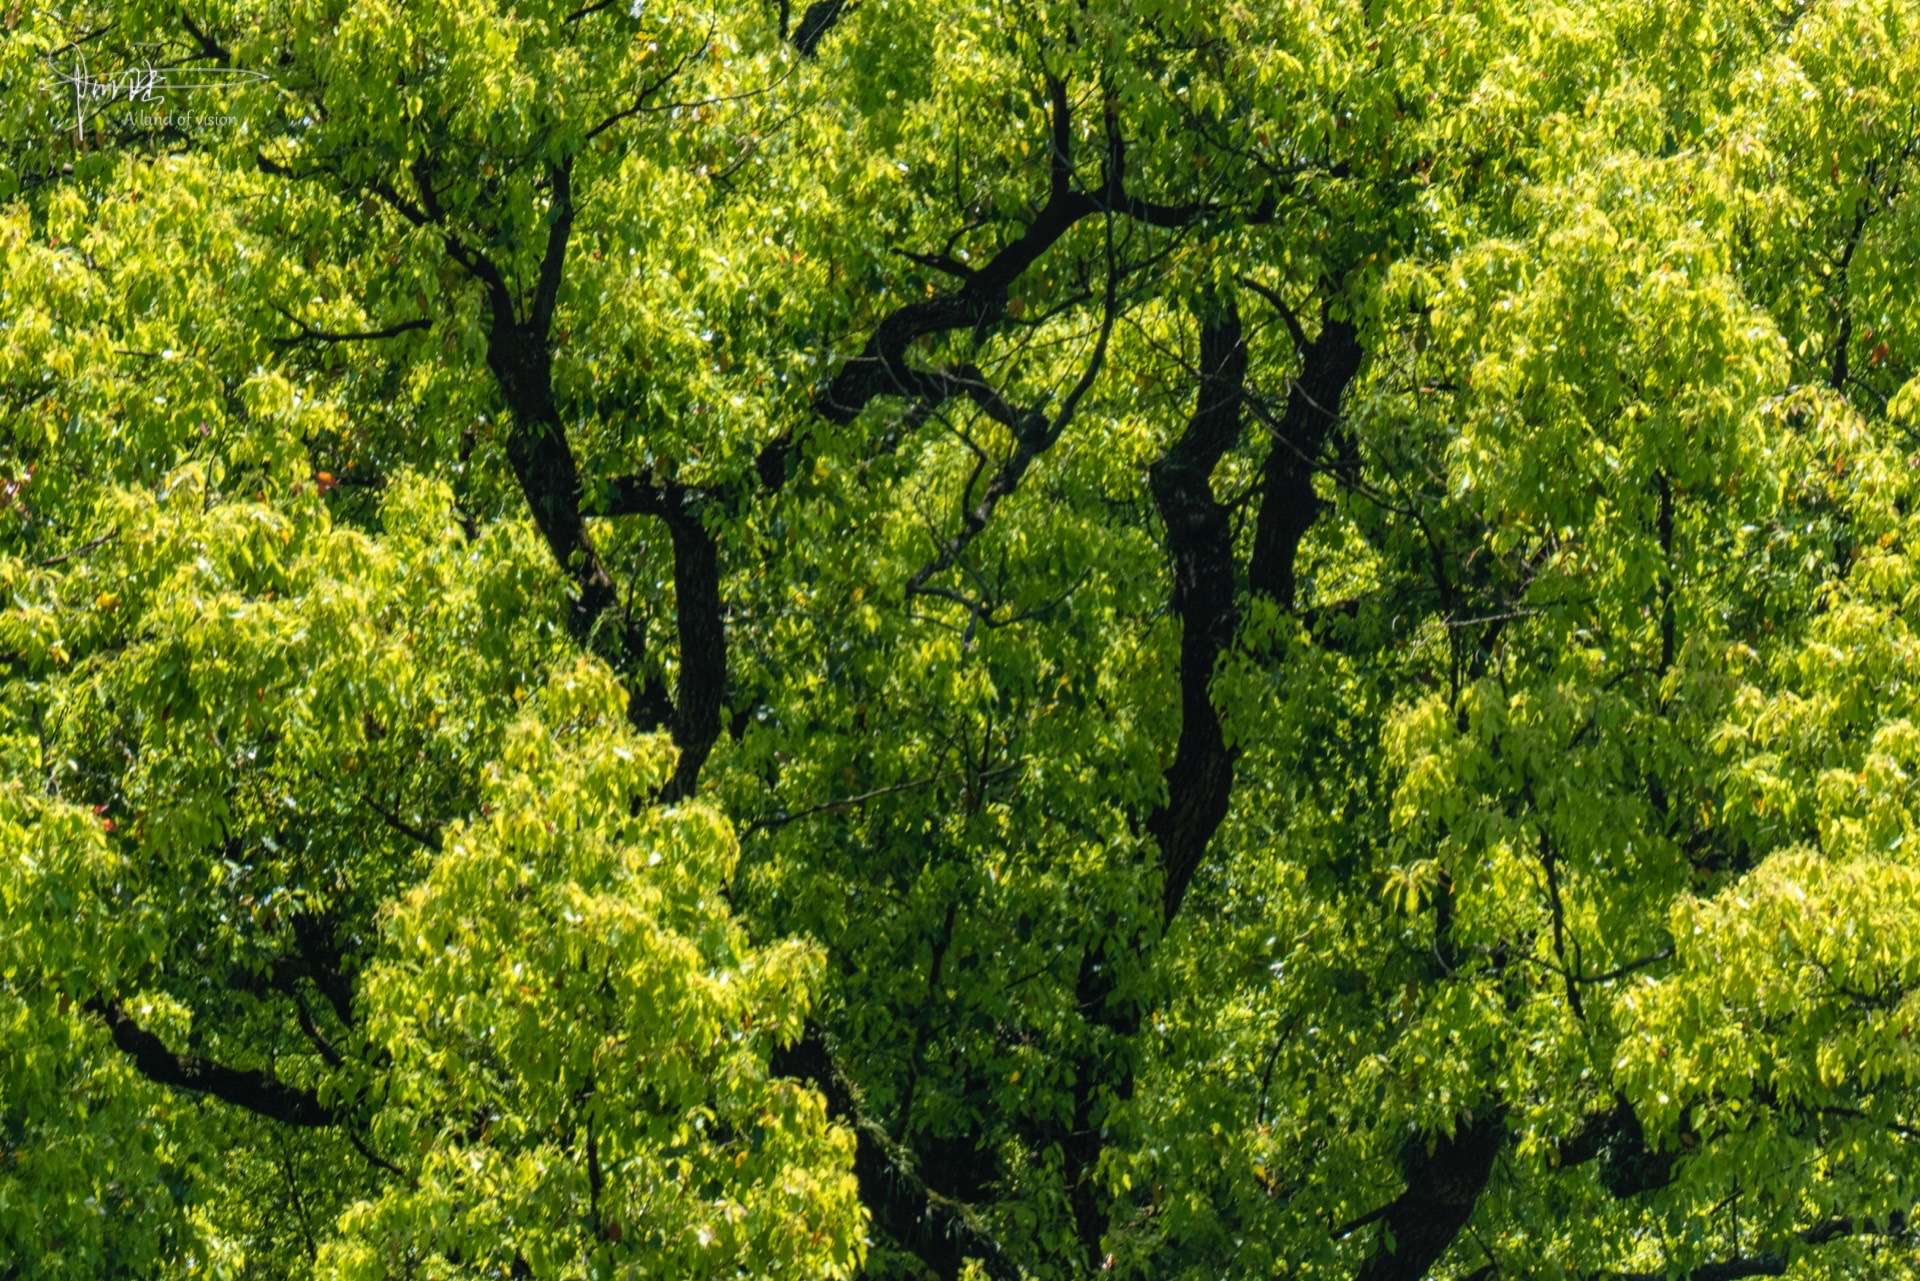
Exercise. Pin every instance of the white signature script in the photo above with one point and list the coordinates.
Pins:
(144, 83)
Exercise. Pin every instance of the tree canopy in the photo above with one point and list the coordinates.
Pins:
(988, 639)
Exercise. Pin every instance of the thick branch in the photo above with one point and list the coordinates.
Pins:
(1442, 1188)
(940, 1231)
(703, 645)
(1629, 1165)
(521, 359)
(695, 715)
(1288, 504)
(1200, 543)
(257, 1091)
(560, 225)
(543, 463)
(816, 22)
(210, 48)
(881, 367)
(519, 355)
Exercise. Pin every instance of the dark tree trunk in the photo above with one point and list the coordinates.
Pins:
(1288, 504)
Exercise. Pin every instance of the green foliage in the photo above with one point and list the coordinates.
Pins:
(1155, 639)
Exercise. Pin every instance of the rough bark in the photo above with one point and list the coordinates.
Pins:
(1199, 539)
(519, 354)
(694, 714)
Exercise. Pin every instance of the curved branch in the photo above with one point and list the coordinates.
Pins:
(309, 333)
(698, 612)
(209, 47)
(980, 301)
(1033, 435)
(1200, 544)
(257, 1091)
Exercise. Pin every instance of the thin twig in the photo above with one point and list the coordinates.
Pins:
(431, 840)
(81, 550)
(845, 802)
(310, 334)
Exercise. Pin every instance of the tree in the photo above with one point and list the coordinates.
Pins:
(1010, 640)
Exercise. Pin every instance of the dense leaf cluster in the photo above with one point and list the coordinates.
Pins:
(1002, 639)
